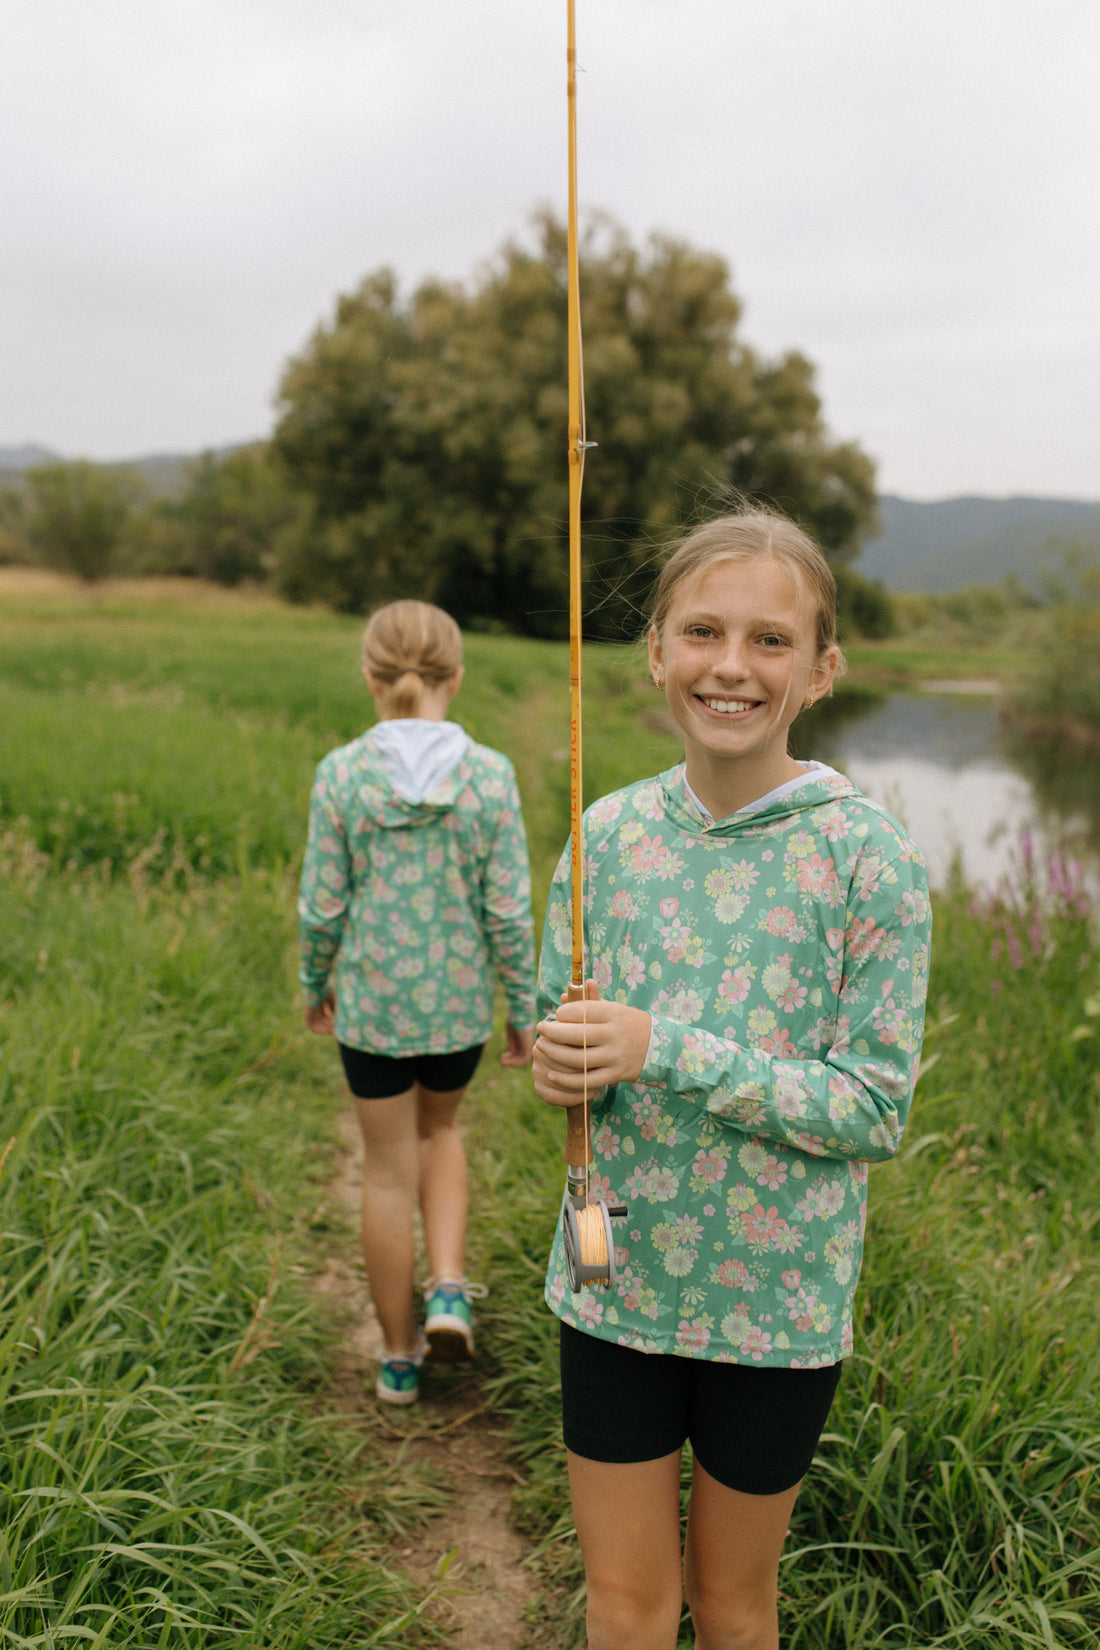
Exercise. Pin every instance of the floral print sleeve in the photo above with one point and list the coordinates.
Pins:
(850, 1097)
(325, 890)
(509, 924)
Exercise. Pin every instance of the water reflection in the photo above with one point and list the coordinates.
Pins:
(962, 786)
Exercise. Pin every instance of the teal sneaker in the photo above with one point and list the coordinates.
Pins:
(399, 1376)
(448, 1321)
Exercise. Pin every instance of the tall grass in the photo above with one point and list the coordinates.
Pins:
(171, 1474)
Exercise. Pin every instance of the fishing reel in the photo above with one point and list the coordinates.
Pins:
(589, 1242)
(585, 1220)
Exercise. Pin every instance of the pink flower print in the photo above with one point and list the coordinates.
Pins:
(772, 1175)
(756, 1344)
(624, 906)
(867, 876)
(590, 1310)
(864, 937)
(800, 1308)
(791, 997)
(601, 972)
(767, 1229)
(792, 1280)
(646, 857)
(437, 950)
(675, 938)
(604, 1142)
(780, 1045)
(668, 907)
(633, 971)
(606, 810)
(782, 922)
(733, 987)
(888, 1019)
(734, 1274)
(694, 1335)
(817, 877)
(710, 1167)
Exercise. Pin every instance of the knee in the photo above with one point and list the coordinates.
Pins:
(627, 1618)
(746, 1620)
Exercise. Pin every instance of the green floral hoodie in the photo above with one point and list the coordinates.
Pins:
(783, 956)
(417, 906)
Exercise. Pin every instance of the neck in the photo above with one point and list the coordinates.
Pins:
(723, 786)
(434, 705)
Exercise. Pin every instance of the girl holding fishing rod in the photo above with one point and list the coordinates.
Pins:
(757, 941)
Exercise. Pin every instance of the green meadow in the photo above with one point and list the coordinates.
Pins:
(175, 1472)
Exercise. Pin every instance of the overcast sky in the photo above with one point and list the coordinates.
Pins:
(906, 190)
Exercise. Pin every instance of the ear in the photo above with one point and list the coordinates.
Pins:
(373, 684)
(656, 657)
(456, 681)
(823, 673)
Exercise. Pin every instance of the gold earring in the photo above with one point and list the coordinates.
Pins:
(658, 681)
(808, 701)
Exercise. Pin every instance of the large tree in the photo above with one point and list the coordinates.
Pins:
(429, 434)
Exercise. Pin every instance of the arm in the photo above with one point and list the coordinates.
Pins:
(322, 898)
(509, 922)
(851, 1102)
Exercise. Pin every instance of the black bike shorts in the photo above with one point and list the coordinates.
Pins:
(754, 1428)
(381, 1076)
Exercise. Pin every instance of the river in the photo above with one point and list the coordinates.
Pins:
(965, 789)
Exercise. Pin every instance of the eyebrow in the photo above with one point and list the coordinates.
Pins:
(716, 620)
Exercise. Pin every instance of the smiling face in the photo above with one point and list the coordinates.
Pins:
(737, 655)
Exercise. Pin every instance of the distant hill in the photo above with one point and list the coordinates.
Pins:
(164, 474)
(957, 541)
(13, 460)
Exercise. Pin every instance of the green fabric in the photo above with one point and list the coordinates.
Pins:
(783, 956)
(418, 908)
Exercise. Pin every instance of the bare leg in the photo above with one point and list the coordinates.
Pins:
(391, 1173)
(628, 1524)
(731, 1564)
(443, 1182)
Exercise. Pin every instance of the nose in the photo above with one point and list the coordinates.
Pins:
(727, 658)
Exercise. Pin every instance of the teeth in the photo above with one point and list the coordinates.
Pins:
(729, 706)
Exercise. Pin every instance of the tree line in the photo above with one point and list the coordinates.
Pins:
(420, 449)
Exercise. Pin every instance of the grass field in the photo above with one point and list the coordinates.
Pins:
(172, 1473)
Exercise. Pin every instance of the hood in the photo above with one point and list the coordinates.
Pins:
(817, 791)
(412, 771)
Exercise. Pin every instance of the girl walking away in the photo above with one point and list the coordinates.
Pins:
(415, 899)
(757, 935)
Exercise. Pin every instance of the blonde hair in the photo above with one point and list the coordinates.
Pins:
(742, 536)
(408, 646)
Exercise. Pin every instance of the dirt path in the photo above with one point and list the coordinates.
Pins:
(451, 1434)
